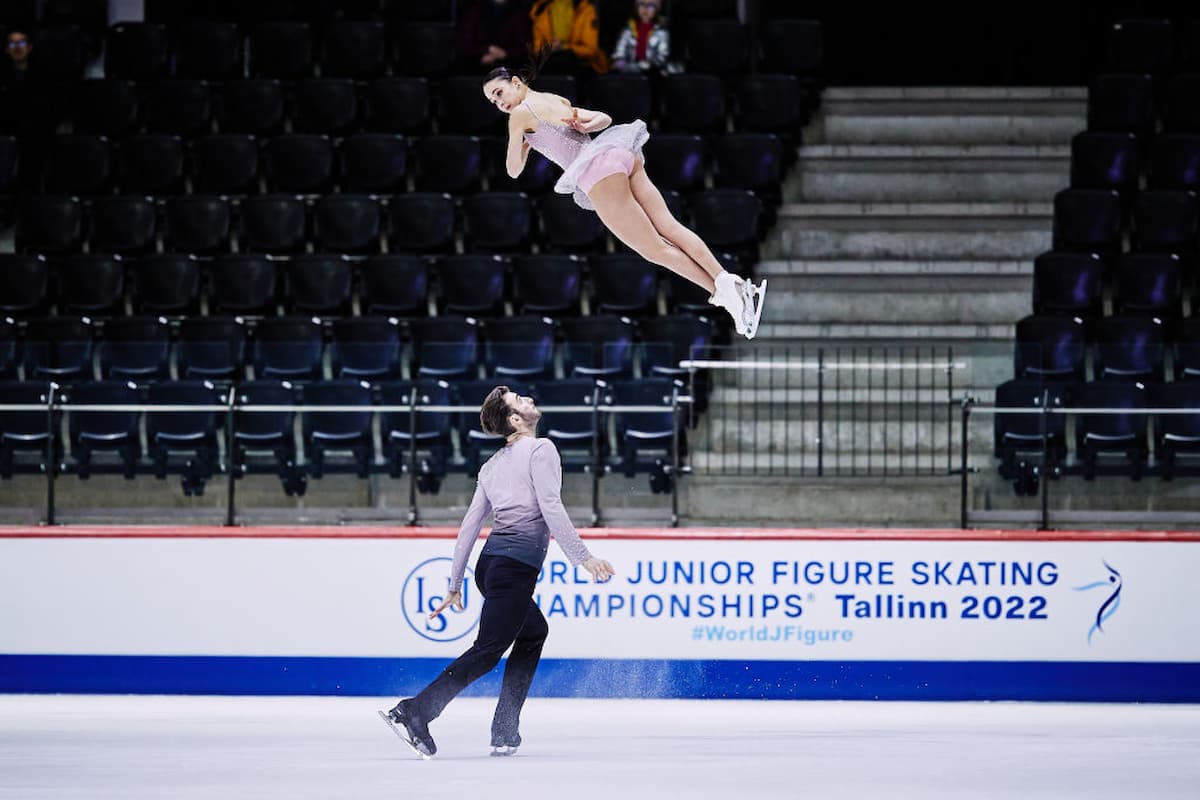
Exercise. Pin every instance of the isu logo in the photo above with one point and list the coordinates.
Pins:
(424, 589)
(1110, 604)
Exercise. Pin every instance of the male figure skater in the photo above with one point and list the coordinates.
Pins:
(520, 485)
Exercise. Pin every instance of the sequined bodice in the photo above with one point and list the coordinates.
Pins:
(556, 142)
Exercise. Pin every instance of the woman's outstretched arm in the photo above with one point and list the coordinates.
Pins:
(587, 121)
(518, 149)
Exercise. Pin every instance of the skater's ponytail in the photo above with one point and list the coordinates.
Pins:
(528, 73)
(494, 413)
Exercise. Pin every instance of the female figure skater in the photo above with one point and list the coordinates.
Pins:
(606, 174)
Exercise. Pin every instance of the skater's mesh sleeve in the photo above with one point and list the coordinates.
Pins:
(467, 534)
(546, 468)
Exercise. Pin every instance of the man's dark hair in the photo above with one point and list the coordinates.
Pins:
(493, 414)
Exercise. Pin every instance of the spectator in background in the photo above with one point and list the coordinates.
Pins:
(25, 107)
(569, 31)
(493, 33)
(644, 44)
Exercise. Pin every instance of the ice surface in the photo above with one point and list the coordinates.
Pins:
(63, 746)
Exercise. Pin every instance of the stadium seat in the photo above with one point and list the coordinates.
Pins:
(211, 347)
(58, 348)
(79, 165)
(717, 46)
(624, 283)
(1050, 349)
(1144, 46)
(327, 432)
(1166, 221)
(1183, 104)
(136, 51)
(106, 108)
(50, 224)
(135, 348)
(421, 222)
(565, 227)
(1175, 435)
(10, 355)
(1124, 435)
(1087, 219)
(599, 346)
(319, 284)
(93, 431)
(579, 435)
(1104, 160)
(373, 162)
(207, 50)
(399, 105)
(395, 284)
(242, 284)
(462, 109)
(123, 224)
(252, 106)
(793, 47)
(623, 97)
(225, 164)
(1070, 284)
(353, 49)
(451, 164)
(272, 223)
(1015, 435)
(771, 104)
(9, 158)
(197, 224)
(189, 433)
(1123, 103)
(268, 433)
(151, 164)
(25, 286)
(282, 50)
(426, 436)
(676, 161)
(326, 105)
(428, 11)
(429, 49)
(752, 161)
(728, 219)
(60, 52)
(547, 284)
(1149, 284)
(179, 107)
(347, 223)
(693, 104)
(1130, 348)
(366, 348)
(519, 348)
(668, 340)
(299, 162)
(287, 348)
(1175, 162)
(27, 430)
(90, 284)
(446, 347)
(472, 284)
(497, 222)
(166, 284)
(639, 431)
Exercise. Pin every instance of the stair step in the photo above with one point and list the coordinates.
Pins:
(859, 126)
(881, 268)
(923, 303)
(884, 333)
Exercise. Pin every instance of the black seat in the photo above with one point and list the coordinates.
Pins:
(1176, 162)
(1149, 284)
(243, 284)
(578, 435)
(136, 51)
(135, 348)
(772, 104)
(252, 106)
(1104, 160)
(395, 284)
(717, 46)
(326, 105)
(9, 154)
(79, 165)
(211, 347)
(93, 431)
(676, 161)
(1130, 348)
(192, 434)
(207, 50)
(281, 49)
(446, 347)
(1124, 435)
(179, 107)
(472, 284)
(1140, 45)
(197, 224)
(1175, 434)
(50, 224)
(1050, 349)
(347, 223)
(728, 219)
(451, 164)
(565, 227)
(428, 48)
(226, 163)
(751, 161)
(373, 162)
(1166, 220)
(1183, 103)
(668, 340)
(263, 441)
(398, 105)
(166, 284)
(624, 283)
(1067, 283)
(27, 430)
(366, 348)
(288, 348)
(272, 223)
(693, 103)
(499, 222)
(520, 348)
(425, 435)
(58, 348)
(106, 107)
(123, 224)
(327, 432)
(463, 109)
(319, 284)
(10, 356)
(1087, 219)
(299, 162)
(1187, 349)
(1015, 435)
(353, 49)
(653, 431)
(151, 164)
(421, 222)
(90, 284)
(547, 284)
(1122, 102)
(793, 47)
(25, 287)
(623, 97)
(60, 52)
(599, 346)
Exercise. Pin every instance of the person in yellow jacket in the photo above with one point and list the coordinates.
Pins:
(568, 28)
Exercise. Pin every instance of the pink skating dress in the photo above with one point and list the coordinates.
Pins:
(585, 160)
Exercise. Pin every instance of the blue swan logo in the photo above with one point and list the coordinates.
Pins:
(1109, 606)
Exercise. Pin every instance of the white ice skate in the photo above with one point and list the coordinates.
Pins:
(729, 294)
(504, 750)
(752, 306)
(403, 734)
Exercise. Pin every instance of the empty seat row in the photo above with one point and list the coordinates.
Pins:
(1055, 348)
(1145, 284)
(1102, 160)
(1098, 219)
(1137, 103)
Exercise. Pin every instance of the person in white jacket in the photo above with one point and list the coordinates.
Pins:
(645, 43)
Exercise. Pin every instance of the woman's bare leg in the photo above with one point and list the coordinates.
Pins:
(671, 229)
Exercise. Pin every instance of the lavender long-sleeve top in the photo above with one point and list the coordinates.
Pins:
(521, 487)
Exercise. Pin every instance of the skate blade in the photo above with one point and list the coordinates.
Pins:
(504, 751)
(403, 736)
(760, 292)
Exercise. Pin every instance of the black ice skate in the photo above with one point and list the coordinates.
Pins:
(411, 729)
